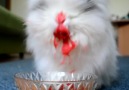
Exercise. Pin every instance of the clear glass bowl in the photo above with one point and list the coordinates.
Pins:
(55, 81)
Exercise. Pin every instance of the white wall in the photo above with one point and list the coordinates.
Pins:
(119, 7)
(19, 7)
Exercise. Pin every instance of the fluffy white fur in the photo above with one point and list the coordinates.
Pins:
(90, 27)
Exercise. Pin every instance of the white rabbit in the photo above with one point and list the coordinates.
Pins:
(90, 29)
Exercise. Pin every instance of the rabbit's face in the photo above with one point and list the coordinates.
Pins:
(84, 20)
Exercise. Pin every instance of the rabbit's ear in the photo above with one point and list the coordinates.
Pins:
(32, 3)
(104, 1)
(35, 4)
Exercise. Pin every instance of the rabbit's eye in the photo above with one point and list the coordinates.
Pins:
(87, 5)
(89, 8)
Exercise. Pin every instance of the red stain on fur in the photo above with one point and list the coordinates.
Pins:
(68, 47)
(63, 62)
(62, 34)
(55, 42)
(60, 18)
(73, 71)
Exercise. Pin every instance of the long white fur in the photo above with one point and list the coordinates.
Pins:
(90, 29)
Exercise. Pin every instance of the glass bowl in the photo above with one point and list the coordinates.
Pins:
(55, 81)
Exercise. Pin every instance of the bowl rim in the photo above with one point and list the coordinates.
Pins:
(92, 77)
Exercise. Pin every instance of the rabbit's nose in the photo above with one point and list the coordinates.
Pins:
(60, 18)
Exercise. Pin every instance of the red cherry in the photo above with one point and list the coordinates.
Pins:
(61, 87)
